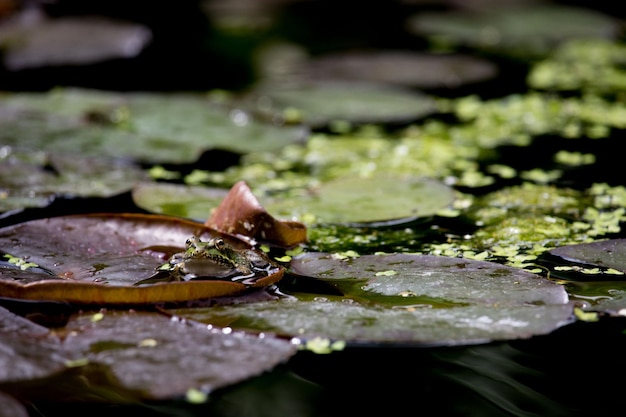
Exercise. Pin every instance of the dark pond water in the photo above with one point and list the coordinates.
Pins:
(199, 46)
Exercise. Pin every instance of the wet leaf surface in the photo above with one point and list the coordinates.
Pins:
(406, 298)
(136, 355)
(98, 258)
(605, 253)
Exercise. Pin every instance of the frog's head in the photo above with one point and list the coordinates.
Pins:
(215, 249)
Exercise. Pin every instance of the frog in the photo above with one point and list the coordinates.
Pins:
(211, 259)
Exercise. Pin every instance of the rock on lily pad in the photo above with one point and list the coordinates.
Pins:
(129, 356)
(407, 68)
(378, 200)
(148, 127)
(530, 30)
(318, 104)
(407, 298)
(97, 259)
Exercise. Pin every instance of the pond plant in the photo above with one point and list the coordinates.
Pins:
(190, 250)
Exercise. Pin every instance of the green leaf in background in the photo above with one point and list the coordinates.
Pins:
(318, 104)
(408, 68)
(377, 200)
(32, 179)
(193, 202)
(521, 31)
(380, 199)
(148, 127)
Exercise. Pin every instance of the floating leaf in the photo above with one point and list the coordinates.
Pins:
(317, 104)
(33, 179)
(380, 199)
(407, 68)
(98, 259)
(604, 254)
(193, 202)
(129, 356)
(70, 41)
(151, 127)
(241, 213)
(429, 300)
(531, 30)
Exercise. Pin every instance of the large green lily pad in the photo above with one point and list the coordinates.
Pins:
(193, 202)
(407, 298)
(380, 199)
(129, 356)
(320, 103)
(97, 259)
(151, 127)
(530, 30)
(377, 200)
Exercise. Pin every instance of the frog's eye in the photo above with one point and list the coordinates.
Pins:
(220, 244)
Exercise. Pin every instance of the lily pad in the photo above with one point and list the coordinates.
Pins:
(408, 298)
(377, 200)
(528, 30)
(148, 127)
(604, 254)
(412, 69)
(69, 41)
(318, 104)
(33, 179)
(97, 259)
(130, 356)
(193, 202)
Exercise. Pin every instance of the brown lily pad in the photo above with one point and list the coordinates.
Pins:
(241, 213)
(98, 259)
(128, 356)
